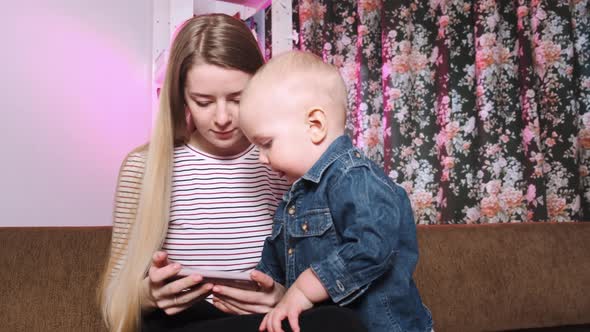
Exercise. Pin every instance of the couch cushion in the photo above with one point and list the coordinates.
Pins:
(505, 276)
(472, 277)
(49, 277)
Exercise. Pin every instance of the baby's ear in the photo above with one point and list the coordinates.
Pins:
(317, 124)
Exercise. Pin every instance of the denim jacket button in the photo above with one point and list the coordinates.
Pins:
(304, 227)
(290, 251)
(356, 154)
(291, 210)
(340, 285)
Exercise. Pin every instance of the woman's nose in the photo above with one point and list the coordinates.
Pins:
(222, 115)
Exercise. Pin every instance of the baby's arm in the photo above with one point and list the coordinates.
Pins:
(301, 296)
(367, 213)
(311, 287)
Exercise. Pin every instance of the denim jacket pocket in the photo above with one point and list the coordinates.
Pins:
(311, 224)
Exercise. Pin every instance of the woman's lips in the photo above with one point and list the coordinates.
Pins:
(224, 134)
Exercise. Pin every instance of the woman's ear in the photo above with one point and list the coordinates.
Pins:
(190, 124)
(317, 124)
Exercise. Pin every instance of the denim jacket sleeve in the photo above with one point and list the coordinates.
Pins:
(269, 261)
(366, 214)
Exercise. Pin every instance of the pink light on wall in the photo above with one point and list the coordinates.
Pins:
(94, 84)
(76, 99)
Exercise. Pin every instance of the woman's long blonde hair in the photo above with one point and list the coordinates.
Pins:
(215, 39)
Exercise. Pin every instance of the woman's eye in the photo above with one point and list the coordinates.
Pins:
(235, 101)
(202, 103)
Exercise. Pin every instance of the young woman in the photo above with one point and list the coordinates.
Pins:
(197, 197)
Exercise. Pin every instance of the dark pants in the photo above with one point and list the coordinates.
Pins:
(203, 316)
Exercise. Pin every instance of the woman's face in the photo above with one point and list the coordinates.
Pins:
(212, 94)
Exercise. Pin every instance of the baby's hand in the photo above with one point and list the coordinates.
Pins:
(291, 305)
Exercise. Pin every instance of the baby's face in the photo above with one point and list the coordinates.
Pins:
(279, 131)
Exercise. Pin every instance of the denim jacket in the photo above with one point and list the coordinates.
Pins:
(348, 222)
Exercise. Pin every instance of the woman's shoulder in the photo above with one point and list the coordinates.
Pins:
(135, 160)
(139, 152)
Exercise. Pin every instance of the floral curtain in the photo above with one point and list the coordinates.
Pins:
(479, 109)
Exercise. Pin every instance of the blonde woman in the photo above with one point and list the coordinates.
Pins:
(197, 196)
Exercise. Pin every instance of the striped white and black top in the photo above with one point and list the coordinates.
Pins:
(221, 208)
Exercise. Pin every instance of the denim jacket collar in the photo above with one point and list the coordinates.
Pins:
(339, 146)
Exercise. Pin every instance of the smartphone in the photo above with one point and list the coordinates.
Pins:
(232, 279)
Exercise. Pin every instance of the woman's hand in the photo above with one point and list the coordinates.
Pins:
(171, 296)
(238, 301)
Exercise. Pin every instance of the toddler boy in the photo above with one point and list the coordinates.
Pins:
(344, 232)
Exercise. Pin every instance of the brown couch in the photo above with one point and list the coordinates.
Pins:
(473, 278)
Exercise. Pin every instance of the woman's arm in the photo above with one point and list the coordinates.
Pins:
(125, 208)
(156, 291)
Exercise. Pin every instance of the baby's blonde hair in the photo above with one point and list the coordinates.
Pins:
(306, 76)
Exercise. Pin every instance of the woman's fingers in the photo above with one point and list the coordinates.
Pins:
(221, 306)
(184, 299)
(267, 296)
(241, 295)
(261, 301)
(160, 274)
(191, 295)
(224, 306)
(174, 310)
(178, 286)
(160, 259)
(173, 296)
(229, 308)
(240, 308)
(264, 280)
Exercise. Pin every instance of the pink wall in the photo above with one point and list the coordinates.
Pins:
(75, 98)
